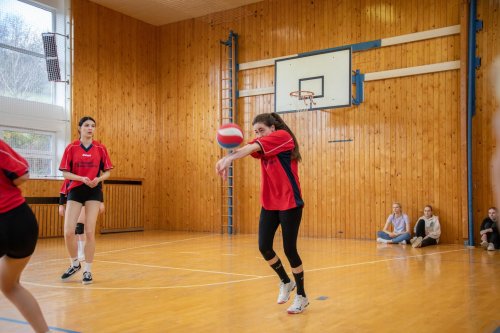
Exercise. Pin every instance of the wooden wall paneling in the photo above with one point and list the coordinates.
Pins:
(114, 81)
(85, 78)
(326, 222)
(41, 188)
(456, 218)
(124, 208)
(168, 105)
(50, 224)
(488, 40)
(154, 90)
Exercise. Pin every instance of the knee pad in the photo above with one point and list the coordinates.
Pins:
(80, 229)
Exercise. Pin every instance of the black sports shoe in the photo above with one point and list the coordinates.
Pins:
(70, 272)
(87, 278)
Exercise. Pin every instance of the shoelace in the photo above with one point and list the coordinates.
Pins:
(71, 269)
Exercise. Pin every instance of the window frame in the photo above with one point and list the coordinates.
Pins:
(43, 117)
(48, 154)
(53, 12)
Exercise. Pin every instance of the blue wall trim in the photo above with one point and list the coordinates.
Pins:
(471, 103)
(354, 47)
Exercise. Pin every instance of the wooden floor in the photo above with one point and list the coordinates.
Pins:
(194, 282)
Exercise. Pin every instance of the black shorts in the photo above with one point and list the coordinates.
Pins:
(18, 232)
(84, 193)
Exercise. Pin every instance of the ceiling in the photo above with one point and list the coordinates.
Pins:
(160, 12)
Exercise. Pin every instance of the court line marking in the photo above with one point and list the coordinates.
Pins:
(124, 249)
(26, 323)
(151, 245)
(90, 287)
(381, 260)
(237, 281)
(178, 268)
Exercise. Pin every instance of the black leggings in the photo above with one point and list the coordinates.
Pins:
(421, 233)
(493, 237)
(290, 223)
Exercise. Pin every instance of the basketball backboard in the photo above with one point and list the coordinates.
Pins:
(327, 74)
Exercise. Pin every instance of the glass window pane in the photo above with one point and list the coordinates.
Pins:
(24, 77)
(41, 143)
(40, 166)
(21, 25)
(37, 147)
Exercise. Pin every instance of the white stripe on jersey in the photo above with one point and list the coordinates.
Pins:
(267, 152)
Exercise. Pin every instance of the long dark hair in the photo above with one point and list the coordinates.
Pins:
(270, 119)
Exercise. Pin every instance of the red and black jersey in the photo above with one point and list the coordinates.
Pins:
(85, 162)
(64, 187)
(280, 187)
(63, 192)
(12, 166)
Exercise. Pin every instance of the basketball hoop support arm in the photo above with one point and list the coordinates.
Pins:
(359, 81)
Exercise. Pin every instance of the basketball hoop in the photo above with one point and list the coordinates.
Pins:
(304, 99)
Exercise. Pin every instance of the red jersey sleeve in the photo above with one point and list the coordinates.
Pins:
(67, 159)
(256, 154)
(64, 187)
(274, 143)
(12, 164)
(105, 160)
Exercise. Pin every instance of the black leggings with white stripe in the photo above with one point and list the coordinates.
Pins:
(290, 223)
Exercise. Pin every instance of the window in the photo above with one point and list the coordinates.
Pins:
(36, 146)
(34, 113)
(22, 69)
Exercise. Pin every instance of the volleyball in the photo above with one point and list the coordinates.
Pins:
(229, 136)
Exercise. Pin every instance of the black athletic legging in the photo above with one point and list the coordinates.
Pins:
(290, 223)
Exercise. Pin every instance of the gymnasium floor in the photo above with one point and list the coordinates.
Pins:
(160, 281)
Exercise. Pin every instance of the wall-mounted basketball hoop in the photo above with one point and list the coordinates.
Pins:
(304, 100)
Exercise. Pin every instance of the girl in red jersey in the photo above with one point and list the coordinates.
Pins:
(80, 225)
(281, 198)
(18, 236)
(86, 165)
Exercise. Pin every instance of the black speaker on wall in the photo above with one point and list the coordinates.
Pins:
(51, 57)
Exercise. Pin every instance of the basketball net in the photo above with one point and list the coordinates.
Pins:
(303, 100)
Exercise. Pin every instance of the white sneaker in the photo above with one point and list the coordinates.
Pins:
(484, 244)
(417, 242)
(381, 240)
(299, 304)
(403, 242)
(491, 247)
(285, 290)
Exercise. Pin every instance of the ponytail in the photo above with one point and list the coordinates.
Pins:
(270, 119)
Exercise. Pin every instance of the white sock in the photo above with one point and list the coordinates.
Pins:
(75, 262)
(81, 247)
(88, 267)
